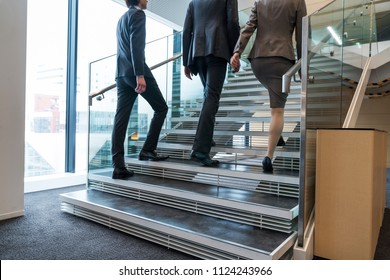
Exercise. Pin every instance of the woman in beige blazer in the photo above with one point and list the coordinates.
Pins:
(272, 55)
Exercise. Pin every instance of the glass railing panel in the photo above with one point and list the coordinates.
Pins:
(382, 15)
(324, 67)
(359, 23)
(101, 114)
(342, 36)
(321, 84)
(180, 93)
(338, 39)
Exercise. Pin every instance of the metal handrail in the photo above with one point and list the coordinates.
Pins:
(353, 111)
(110, 87)
(286, 78)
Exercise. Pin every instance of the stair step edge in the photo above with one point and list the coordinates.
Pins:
(180, 165)
(191, 195)
(156, 230)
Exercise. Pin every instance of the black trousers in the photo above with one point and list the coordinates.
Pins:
(126, 99)
(212, 72)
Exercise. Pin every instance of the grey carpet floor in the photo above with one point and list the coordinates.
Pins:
(47, 233)
(383, 246)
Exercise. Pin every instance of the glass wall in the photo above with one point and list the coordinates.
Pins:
(97, 42)
(47, 73)
(176, 91)
(47, 27)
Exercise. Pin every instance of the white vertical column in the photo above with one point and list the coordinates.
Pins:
(13, 29)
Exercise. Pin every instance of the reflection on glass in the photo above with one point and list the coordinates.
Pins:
(179, 92)
(97, 21)
(342, 36)
(340, 39)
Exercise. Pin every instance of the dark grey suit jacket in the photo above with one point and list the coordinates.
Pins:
(210, 28)
(275, 21)
(131, 36)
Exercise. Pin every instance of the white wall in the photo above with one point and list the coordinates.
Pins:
(13, 25)
(311, 5)
(173, 12)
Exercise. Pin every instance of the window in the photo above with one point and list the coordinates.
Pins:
(47, 26)
(47, 40)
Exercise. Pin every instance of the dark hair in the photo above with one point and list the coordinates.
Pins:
(131, 3)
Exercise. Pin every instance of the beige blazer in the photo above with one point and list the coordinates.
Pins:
(275, 21)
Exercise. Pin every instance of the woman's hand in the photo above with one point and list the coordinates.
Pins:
(235, 62)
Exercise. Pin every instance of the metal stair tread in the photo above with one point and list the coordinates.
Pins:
(248, 82)
(245, 108)
(223, 169)
(227, 132)
(249, 119)
(280, 151)
(255, 97)
(258, 89)
(239, 78)
(266, 204)
(231, 237)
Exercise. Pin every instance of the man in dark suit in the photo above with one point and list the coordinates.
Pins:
(134, 77)
(210, 32)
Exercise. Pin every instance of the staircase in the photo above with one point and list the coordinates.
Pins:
(234, 211)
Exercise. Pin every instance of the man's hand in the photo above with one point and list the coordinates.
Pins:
(141, 84)
(235, 62)
(188, 72)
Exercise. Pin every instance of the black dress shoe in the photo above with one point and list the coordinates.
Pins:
(213, 144)
(267, 165)
(281, 142)
(121, 173)
(204, 159)
(146, 155)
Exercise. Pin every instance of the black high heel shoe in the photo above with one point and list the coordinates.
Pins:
(267, 165)
(281, 142)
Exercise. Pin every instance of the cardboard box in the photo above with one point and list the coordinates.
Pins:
(350, 192)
